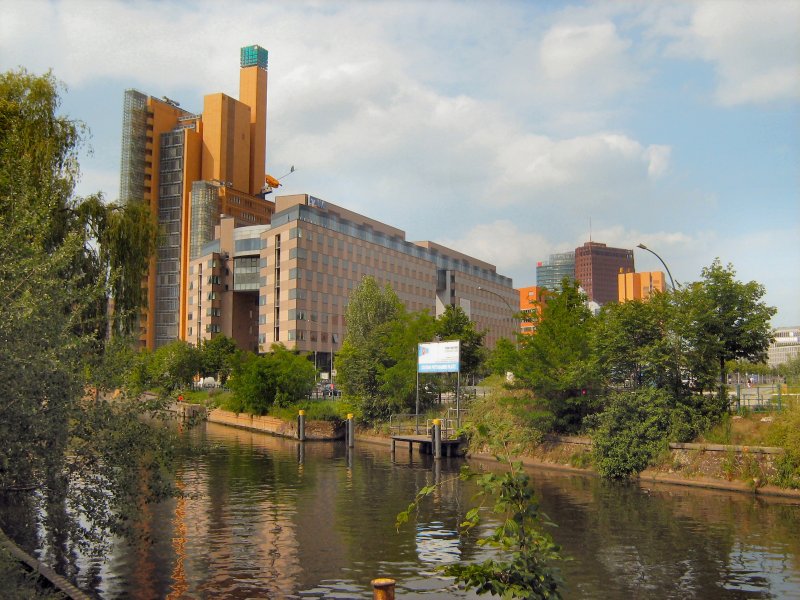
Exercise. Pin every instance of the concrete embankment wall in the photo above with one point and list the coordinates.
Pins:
(314, 430)
(713, 466)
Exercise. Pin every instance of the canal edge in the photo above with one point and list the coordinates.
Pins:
(59, 583)
(645, 477)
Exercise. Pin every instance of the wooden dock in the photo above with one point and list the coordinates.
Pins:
(449, 446)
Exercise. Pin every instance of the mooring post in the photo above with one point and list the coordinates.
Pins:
(437, 438)
(351, 430)
(301, 426)
(383, 589)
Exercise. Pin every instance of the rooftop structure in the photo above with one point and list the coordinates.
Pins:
(190, 168)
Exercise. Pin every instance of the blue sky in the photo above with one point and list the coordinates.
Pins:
(498, 128)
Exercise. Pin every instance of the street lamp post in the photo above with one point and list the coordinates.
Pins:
(671, 280)
(483, 289)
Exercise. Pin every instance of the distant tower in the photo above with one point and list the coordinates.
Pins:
(551, 273)
(597, 267)
(189, 169)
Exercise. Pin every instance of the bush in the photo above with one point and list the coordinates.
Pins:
(316, 410)
(785, 433)
(278, 378)
(631, 431)
(510, 417)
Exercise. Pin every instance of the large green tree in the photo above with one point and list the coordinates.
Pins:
(52, 318)
(555, 362)
(635, 345)
(364, 356)
(724, 319)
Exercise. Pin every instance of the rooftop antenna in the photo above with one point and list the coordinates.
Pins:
(590, 229)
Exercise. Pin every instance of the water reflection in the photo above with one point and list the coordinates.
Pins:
(272, 518)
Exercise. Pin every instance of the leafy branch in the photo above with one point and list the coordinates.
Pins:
(525, 571)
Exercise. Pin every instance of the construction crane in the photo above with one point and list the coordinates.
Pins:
(271, 183)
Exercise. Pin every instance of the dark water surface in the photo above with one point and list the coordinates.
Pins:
(264, 517)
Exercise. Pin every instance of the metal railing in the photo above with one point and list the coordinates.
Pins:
(407, 424)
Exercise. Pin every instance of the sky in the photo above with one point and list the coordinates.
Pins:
(508, 130)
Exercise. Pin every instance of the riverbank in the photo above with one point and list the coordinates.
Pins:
(711, 466)
(736, 468)
(314, 430)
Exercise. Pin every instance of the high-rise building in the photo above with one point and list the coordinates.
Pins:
(551, 273)
(597, 267)
(640, 286)
(785, 346)
(531, 301)
(190, 168)
(289, 281)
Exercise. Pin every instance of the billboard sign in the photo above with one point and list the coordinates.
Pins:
(439, 357)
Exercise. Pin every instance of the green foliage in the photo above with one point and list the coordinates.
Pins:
(523, 569)
(454, 324)
(785, 432)
(398, 378)
(218, 357)
(21, 584)
(278, 378)
(555, 363)
(91, 464)
(509, 418)
(725, 320)
(503, 358)
(791, 370)
(631, 431)
(173, 366)
(635, 344)
(368, 308)
(316, 410)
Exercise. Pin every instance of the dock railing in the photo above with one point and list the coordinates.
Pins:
(407, 424)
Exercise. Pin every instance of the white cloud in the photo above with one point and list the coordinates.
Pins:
(466, 123)
(589, 56)
(753, 46)
(512, 250)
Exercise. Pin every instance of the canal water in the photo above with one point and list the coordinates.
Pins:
(265, 517)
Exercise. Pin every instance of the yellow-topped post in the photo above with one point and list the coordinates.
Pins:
(383, 589)
(437, 438)
(351, 430)
(301, 425)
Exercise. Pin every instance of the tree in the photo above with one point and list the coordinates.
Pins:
(503, 358)
(173, 366)
(726, 320)
(555, 363)
(364, 354)
(454, 324)
(277, 378)
(399, 377)
(368, 308)
(631, 431)
(73, 451)
(634, 345)
(218, 357)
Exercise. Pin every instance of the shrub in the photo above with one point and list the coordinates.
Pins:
(631, 431)
(785, 433)
(508, 417)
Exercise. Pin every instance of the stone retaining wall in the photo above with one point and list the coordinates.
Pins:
(315, 430)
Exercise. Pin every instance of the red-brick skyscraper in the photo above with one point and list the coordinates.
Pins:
(597, 267)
